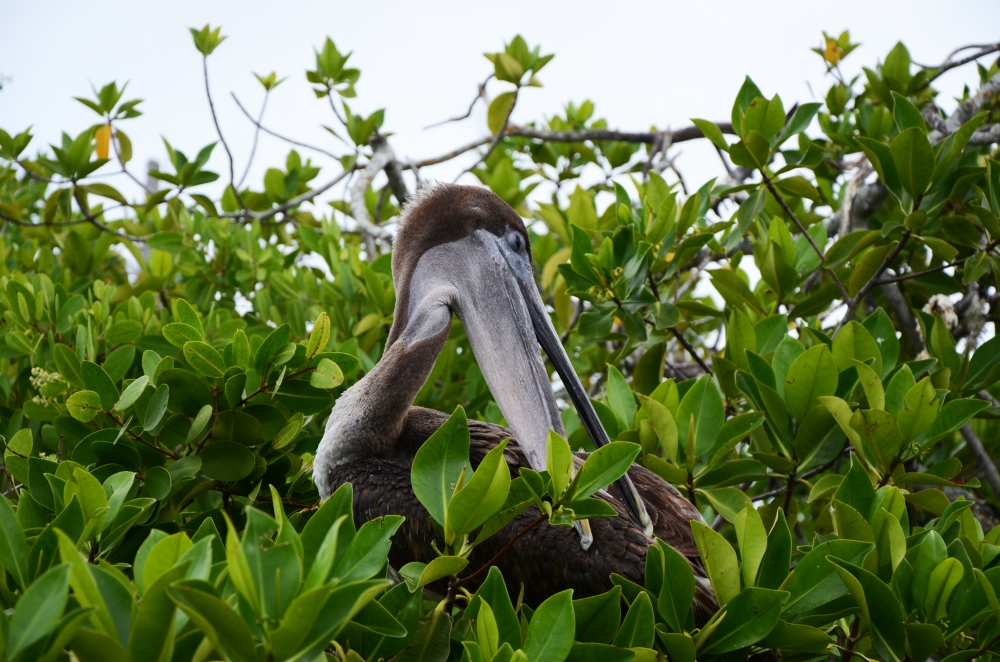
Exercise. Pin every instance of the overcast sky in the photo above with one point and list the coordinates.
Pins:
(642, 63)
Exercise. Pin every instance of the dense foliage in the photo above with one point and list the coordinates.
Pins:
(168, 362)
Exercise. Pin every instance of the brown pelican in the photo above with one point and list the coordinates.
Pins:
(463, 250)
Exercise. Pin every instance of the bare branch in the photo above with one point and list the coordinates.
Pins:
(907, 322)
(496, 139)
(256, 137)
(392, 169)
(459, 118)
(308, 196)
(968, 109)
(983, 458)
(648, 137)
(449, 155)
(370, 231)
(852, 305)
(218, 130)
(281, 137)
(802, 229)
(948, 64)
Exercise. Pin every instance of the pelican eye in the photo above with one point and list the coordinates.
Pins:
(515, 241)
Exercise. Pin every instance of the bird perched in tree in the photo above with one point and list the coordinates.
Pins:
(463, 250)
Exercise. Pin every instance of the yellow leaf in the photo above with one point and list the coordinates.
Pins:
(833, 52)
(103, 138)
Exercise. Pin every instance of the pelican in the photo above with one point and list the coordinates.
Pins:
(463, 250)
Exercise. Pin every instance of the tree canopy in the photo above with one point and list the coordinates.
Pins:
(802, 345)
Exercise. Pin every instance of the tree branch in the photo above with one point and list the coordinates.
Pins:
(279, 136)
(256, 137)
(218, 130)
(967, 109)
(308, 196)
(983, 458)
(359, 210)
(647, 137)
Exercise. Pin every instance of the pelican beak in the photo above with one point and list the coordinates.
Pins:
(550, 343)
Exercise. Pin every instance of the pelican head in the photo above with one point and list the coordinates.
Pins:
(463, 250)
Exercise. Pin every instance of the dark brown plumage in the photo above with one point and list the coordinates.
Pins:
(548, 558)
(459, 251)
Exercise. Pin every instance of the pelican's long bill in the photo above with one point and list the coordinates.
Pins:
(487, 281)
(553, 348)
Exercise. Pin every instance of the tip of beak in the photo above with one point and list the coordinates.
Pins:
(647, 523)
(586, 536)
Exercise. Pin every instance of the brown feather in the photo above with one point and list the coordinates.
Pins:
(548, 558)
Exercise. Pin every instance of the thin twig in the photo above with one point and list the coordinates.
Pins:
(496, 139)
(690, 349)
(218, 130)
(294, 202)
(459, 118)
(256, 137)
(279, 136)
(852, 305)
(948, 65)
(486, 566)
(802, 229)
(983, 458)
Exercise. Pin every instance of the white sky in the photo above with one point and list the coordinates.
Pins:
(642, 63)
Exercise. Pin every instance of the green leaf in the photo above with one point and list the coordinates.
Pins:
(598, 617)
(870, 384)
(752, 540)
(156, 408)
(720, 562)
(678, 588)
(637, 630)
(606, 465)
(221, 625)
(854, 341)
(880, 436)
(550, 634)
(498, 111)
(205, 359)
(270, 348)
(662, 422)
(13, 547)
(96, 379)
(811, 376)
(712, 132)
(226, 460)
(39, 609)
(750, 617)
(814, 582)
(734, 289)
(85, 589)
(123, 331)
(906, 114)
(368, 551)
(881, 613)
(316, 617)
(866, 268)
(439, 463)
(943, 581)
(704, 403)
(319, 337)
(439, 568)
(620, 398)
(84, 405)
(327, 375)
(914, 160)
(483, 496)
(132, 393)
(178, 333)
(952, 417)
